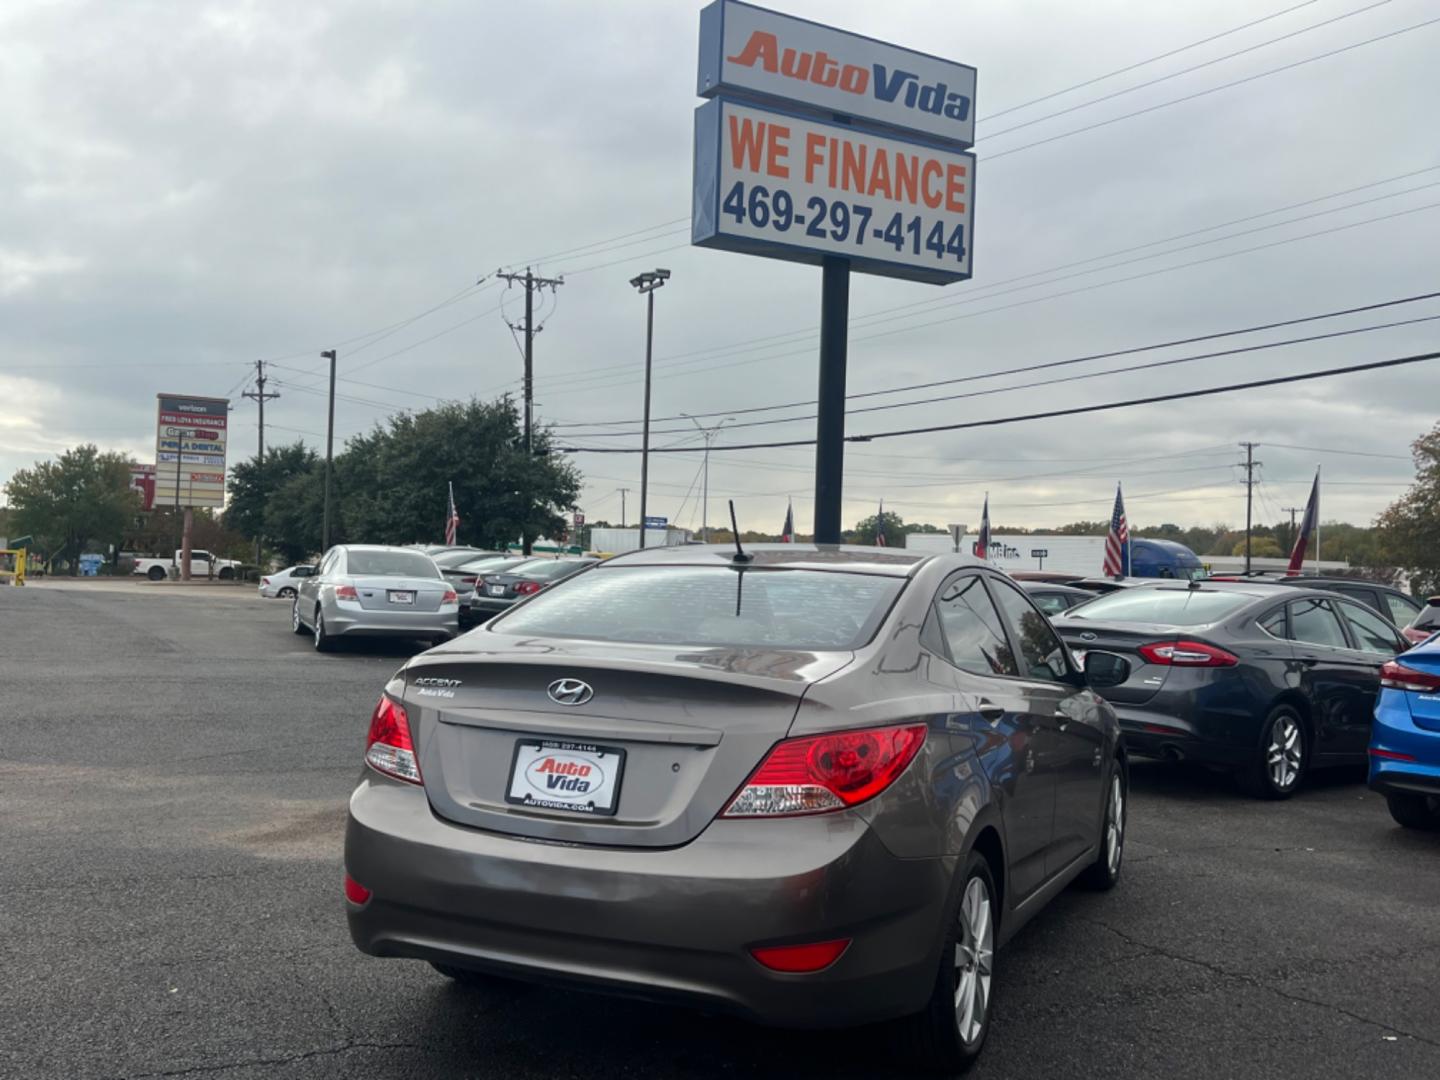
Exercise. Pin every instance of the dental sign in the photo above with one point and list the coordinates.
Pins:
(823, 143)
(190, 445)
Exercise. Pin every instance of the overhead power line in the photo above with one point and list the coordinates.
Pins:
(1078, 410)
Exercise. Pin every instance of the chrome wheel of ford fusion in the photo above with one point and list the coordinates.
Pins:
(1283, 755)
(974, 960)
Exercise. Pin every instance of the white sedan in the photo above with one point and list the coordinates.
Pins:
(283, 583)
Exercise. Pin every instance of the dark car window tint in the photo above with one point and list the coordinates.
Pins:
(1312, 621)
(1356, 592)
(390, 564)
(1273, 623)
(1167, 607)
(710, 606)
(1372, 633)
(1402, 609)
(1050, 603)
(1043, 653)
(973, 630)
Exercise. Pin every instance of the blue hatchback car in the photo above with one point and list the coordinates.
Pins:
(1405, 738)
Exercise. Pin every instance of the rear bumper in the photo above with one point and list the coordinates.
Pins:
(659, 924)
(351, 620)
(484, 606)
(1395, 732)
(1226, 740)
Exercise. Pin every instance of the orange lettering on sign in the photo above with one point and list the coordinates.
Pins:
(777, 149)
(931, 170)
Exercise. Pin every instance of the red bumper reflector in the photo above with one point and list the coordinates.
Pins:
(801, 959)
(1390, 755)
(355, 892)
(1161, 729)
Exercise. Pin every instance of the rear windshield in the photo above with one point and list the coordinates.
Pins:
(389, 564)
(1168, 607)
(550, 568)
(711, 605)
(450, 559)
(493, 563)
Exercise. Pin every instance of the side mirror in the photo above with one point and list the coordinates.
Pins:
(1104, 669)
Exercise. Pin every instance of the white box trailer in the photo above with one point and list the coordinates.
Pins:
(1040, 551)
(615, 541)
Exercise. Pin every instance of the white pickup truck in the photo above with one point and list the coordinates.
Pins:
(202, 564)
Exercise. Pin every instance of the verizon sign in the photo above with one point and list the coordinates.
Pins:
(749, 52)
(190, 450)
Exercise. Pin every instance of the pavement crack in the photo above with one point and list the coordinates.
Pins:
(1257, 982)
(286, 1059)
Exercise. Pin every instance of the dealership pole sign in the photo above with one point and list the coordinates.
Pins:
(831, 148)
(190, 436)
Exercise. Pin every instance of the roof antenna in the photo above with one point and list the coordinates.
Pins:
(741, 555)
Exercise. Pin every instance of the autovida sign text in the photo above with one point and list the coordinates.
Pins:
(821, 143)
(795, 188)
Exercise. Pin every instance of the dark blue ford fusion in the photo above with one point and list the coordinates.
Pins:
(1405, 738)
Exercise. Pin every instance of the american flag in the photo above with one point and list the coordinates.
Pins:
(787, 534)
(1307, 526)
(452, 519)
(982, 544)
(1117, 541)
(880, 526)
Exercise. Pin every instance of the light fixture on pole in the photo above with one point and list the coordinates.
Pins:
(646, 284)
(709, 436)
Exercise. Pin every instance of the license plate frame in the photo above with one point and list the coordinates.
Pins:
(522, 790)
(403, 597)
(494, 590)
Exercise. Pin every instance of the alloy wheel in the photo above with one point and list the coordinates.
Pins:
(295, 615)
(1285, 752)
(1115, 826)
(974, 958)
(319, 630)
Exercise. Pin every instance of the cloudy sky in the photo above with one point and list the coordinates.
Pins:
(188, 187)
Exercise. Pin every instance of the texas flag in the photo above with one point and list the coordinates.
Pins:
(1307, 527)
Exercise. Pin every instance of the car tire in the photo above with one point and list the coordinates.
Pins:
(323, 641)
(1104, 873)
(295, 623)
(155, 574)
(286, 593)
(1415, 811)
(1282, 757)
(949, 1034)
(226, 573)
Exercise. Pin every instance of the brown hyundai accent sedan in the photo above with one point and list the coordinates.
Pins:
(815, 785)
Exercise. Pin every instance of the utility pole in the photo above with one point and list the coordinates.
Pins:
(529, 328)
(1250, 466)
(259, 396)
(646, 284)
(328, 354)
(709, 435)
(1292, 511)
(623, 493)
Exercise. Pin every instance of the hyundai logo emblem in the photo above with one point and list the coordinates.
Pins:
(570, 692)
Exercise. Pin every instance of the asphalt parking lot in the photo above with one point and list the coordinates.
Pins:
(174, 766)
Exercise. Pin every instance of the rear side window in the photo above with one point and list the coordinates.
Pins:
(1273, 623)
(710, 606)
(1167, 607)
(1372, 633)
(1313, 622)
(1363, 595)
(1043, 653)
(972, 629)
(1402, 609)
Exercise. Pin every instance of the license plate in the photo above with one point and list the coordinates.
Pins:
(496, 590)
(580, 778)
(398, 597)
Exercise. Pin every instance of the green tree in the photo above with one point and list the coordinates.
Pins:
(253, 487)
(1261, 547)
(295, 515)
(1409, 528)
(867, 530)
(392, 482)
(82, 496)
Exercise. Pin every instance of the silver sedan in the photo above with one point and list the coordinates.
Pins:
(362, 590)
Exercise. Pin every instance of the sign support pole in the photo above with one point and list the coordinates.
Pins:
(830, 421)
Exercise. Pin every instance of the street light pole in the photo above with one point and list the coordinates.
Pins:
(646, 284)
(709, 436)
(328, 354)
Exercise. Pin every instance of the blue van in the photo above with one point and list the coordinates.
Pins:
(1164, 559)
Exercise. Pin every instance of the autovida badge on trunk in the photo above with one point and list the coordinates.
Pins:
(570, 692)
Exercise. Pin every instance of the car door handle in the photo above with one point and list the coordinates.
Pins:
(991, 712)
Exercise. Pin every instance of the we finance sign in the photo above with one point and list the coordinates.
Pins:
(792, 187)
(749, 52)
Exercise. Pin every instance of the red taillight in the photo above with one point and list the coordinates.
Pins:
(1187, 654)
(450, 597)
(468, 580)
(819, 773)
(355, 892)
(264, 581)
(801, 959)
(389, 748)
(346, 592)
(1397, 676)
(525, 588)
(1390, 755)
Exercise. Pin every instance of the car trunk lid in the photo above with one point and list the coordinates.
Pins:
(1124, 640)
(379, 593)
(679, 728)
(1424, 704)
